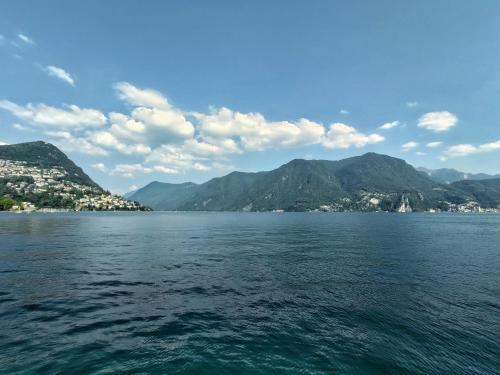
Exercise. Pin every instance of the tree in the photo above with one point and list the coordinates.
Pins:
(6, 203)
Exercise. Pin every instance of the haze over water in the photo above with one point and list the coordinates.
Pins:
(261, 293)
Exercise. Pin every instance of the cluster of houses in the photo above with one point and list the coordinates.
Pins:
(44, 180)
(105, 202)
(467, 207)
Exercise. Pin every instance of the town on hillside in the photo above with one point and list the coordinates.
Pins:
(28, 187)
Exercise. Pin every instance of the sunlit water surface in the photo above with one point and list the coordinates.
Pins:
(225, 293)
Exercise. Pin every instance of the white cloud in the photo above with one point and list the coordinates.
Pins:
(344, 136)
(133, 188)
(173, 156)
(434, 144)
(218, 147)
(26, 39)
(100, 167)
(344, 112)
(198, 156)
(3, 143)
(468, 149)
(132, 170)
(141, 97)
(124, 127)
(254, 132)
(108, 140)
(389, 125)
(67, 142)
(167, 139)
(438, 121)
(412, 104)
(71, 116)
(20, 127)
(409, 146)
(420, 153)
(60, 73)
(171, 121)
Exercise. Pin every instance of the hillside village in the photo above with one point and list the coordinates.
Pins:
(31, 187)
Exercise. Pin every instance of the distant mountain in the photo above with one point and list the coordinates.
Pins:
(364, 183)
(164, 196)
(37, 175)
(485, 192)
(447, 175)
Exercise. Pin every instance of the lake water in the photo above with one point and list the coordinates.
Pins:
(259, 293)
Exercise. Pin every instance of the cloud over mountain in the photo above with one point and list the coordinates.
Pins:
(164, 138)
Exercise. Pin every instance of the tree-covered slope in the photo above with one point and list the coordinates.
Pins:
(485, 192)
(46, 155)
(448, 175)
(164, 196)
(367, 182)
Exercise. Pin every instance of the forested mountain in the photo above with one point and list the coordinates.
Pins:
(364, 183)
(448, 175)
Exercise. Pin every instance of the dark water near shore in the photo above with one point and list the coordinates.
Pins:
(224, 293)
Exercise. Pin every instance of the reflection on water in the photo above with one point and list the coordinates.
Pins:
(249, 292)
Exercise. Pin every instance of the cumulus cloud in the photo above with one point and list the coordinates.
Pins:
(171, 121)
(438, 121)
(60, 73)
(409, 146)
(70, 116)
(344, 136)
(100, 167)
(140, 97)
(20, 127)
(389, 125)
(158, 137)
(108, 140)
(254, 132)
(434, 144)
(26, 39)
(132, 170)
(70, 143)
(466, 149)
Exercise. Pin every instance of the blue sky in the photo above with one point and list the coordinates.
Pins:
(173, 91)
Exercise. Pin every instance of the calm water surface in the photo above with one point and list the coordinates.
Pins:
(226, 293)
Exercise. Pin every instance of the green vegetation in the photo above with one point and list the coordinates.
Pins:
(448, 175)
(46, 155)
(485, 192)
(351, 184)
(40, 174)
(6, 203)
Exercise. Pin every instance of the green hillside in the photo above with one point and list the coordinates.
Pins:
(363, 183)
(485, 192)
(46, 155)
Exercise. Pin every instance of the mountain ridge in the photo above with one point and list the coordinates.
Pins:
(449, 175)
(369, 182)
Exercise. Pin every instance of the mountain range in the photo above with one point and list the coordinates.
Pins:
(39, 174)
(371, 182)
(448, 175)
